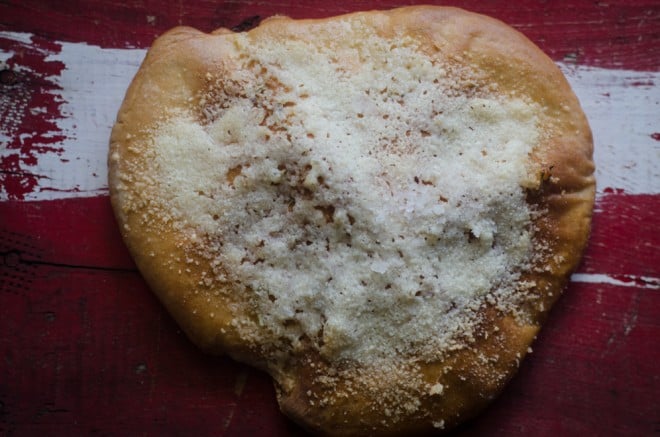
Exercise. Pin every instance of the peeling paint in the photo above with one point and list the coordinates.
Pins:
(61, 112)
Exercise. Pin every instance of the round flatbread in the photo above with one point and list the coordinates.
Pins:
(378, 209)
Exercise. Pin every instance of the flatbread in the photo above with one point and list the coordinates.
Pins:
(378, 209)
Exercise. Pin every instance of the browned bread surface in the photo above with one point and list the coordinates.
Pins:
(378, 209)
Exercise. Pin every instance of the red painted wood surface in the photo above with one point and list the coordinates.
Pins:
(603, 33)
(86, 349)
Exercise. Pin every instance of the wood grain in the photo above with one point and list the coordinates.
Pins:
(597, 33)
(91, 349)
(86, 349)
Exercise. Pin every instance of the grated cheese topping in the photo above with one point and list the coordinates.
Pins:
(365, 197)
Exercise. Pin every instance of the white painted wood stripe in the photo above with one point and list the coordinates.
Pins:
(621, 281)
(623, 108)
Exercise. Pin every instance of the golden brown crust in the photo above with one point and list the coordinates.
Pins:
(467, 379)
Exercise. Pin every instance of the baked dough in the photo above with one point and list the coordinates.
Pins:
(378, 209)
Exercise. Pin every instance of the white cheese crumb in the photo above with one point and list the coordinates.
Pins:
(436, 389)
(439, 424)
(370, 210)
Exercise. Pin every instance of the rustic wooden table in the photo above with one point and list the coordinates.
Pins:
(86, 349)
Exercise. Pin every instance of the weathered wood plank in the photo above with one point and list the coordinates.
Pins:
(62, 98)
(596, 33)
(85, 347)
